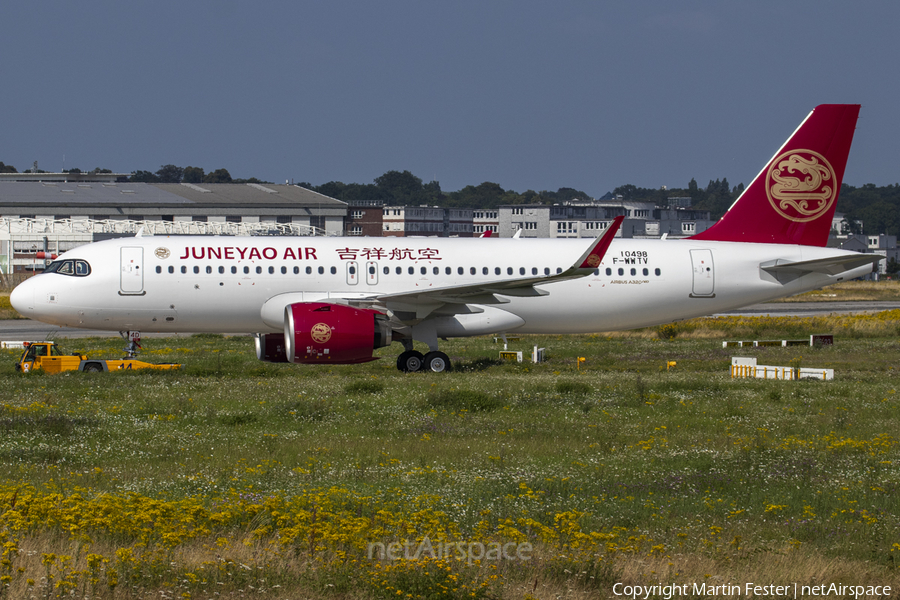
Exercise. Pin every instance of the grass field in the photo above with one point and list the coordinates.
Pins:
(852, 291)
(235, 478)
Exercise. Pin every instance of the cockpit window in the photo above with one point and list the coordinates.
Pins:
(75, 268)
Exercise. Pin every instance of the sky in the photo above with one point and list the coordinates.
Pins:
(530, 95)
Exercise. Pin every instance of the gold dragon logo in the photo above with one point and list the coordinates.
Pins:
(593, 260)
(320, 333)
(162, 253)
(800, 185)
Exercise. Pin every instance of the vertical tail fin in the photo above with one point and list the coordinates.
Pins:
(792, 200)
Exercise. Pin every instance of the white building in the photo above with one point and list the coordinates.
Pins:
(54, 216)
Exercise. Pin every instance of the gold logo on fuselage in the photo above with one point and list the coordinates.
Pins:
(593, 260)
(162, 253)
(320, 333)
(800, 185)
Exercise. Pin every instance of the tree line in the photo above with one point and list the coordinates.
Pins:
(404, 188)
(878, 208)
(176, 174)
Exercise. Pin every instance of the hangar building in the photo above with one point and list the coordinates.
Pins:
(40, 219)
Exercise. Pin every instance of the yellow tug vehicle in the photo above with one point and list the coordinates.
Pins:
(48, 357)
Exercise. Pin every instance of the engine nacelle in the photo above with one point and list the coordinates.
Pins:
(270, 347)
(320, 332)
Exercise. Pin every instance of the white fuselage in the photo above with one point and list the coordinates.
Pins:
(220, 284)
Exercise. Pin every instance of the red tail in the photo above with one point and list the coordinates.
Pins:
(792, 200)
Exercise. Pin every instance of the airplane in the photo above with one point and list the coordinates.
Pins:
(335, 300)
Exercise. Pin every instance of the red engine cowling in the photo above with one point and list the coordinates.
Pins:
(319, 332)
(270, 347)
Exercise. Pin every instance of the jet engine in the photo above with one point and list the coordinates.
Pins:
(320, 332)
(270, 347)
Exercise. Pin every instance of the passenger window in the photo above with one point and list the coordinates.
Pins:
(208, 270)
(387, 270)
(597, 271)
(509, 270)
(309, 270)
(534, 270)
(399, 270)
(296, 270)
(546, 270)
(412, 270)
(284, 270)
(484, 271)
(259, 270)
(621, 272)
(558, 270)
(657, 272)
(448, 271)
(460, 270)
(271, 270)
(608, 271)
(234, 270)
(321, 270)
(171, 269)
(246, 270)
(333, 270)
(371, 270)
(424, 271)
(634, 271)
(221, 270)
(646, 272)
(196, 270)
(352, 270)
(158, 269)
(521, 270)
(183, 269)
(472, 270)
(437, 271)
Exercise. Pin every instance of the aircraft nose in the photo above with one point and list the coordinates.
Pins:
(22, 298)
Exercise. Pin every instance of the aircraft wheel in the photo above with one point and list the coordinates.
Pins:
(410, 361)
(437, 362)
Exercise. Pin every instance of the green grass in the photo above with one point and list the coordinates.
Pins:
(850, 291)
(683, 467)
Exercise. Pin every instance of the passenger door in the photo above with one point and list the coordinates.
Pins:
(131, 277)
(704, 274)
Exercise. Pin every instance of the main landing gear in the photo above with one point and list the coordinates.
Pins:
(412, 360)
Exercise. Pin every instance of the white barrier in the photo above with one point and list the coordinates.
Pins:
(817, 339)
(742, 367)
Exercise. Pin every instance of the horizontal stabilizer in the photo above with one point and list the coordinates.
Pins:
(834, 265)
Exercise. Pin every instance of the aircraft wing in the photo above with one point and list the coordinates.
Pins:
(455, 299)
(829, 266)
